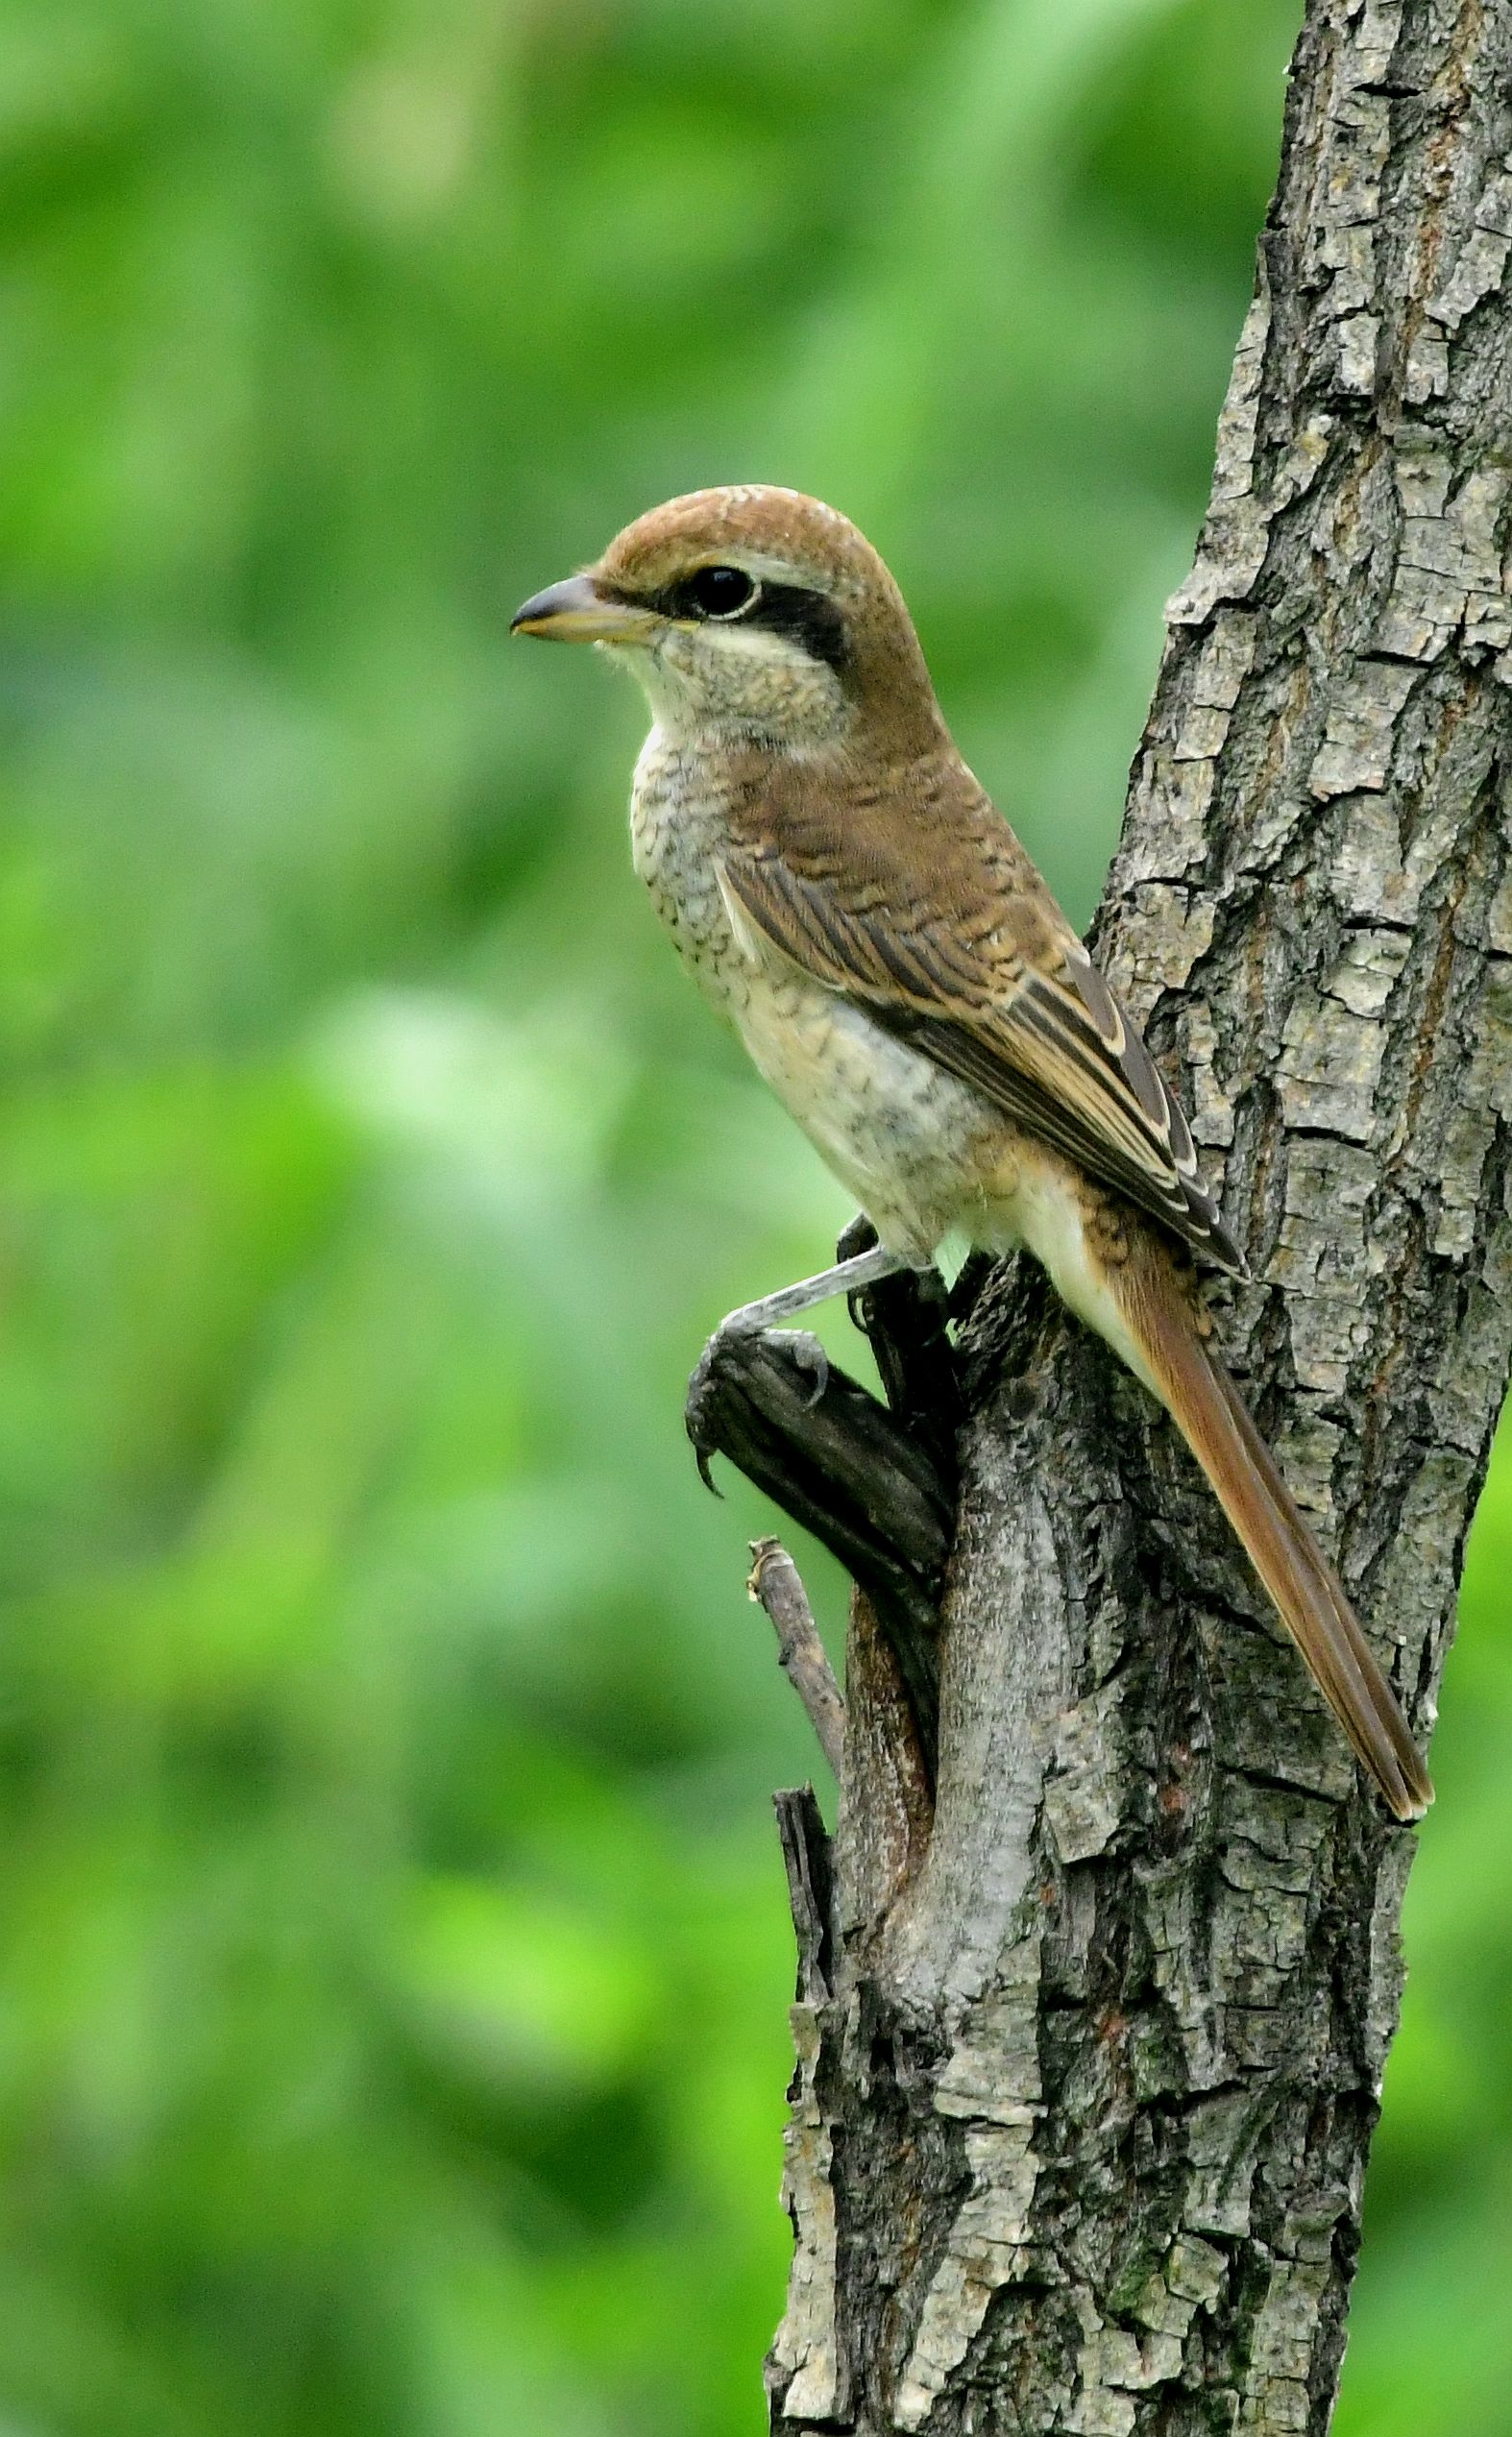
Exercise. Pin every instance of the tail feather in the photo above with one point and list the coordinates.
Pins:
(1213, 1418)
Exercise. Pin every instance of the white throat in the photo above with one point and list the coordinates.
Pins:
(717, 685)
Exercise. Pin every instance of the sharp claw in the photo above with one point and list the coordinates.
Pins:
(692, 1417)
(810, 1356)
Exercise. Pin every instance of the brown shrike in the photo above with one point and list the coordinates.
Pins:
(844, 891)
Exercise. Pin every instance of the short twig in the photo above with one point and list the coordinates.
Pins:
(775, 1585)
(878, 1489)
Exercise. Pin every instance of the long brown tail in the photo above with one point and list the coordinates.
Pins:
(1211, 1416)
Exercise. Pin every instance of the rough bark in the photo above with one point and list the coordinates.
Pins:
(1089, 2050)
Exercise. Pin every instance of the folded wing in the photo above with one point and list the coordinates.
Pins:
(1011, 1005)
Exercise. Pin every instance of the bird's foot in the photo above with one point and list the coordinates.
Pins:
(800, 1345)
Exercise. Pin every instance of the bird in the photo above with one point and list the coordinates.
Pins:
(845, 892)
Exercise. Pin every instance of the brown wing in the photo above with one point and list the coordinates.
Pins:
(1000, 994)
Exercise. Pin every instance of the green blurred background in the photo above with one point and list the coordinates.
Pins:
(393, 1952)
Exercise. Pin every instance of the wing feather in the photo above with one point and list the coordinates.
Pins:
(1045, 1038)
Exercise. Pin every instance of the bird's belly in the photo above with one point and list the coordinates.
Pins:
(924, 1155)
(906, 1138)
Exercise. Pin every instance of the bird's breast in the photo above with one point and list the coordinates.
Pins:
(679, 826)
(905, 1138)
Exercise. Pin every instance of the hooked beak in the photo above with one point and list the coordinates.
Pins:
(577, 611)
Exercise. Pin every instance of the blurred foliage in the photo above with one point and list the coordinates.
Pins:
(393, 1955)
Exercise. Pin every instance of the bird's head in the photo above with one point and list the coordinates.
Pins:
(751, 613)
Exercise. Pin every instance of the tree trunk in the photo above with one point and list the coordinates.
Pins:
(1091, 2047)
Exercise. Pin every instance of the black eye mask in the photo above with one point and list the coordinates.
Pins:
(726, 596)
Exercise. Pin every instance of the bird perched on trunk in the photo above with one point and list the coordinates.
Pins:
(845, 892)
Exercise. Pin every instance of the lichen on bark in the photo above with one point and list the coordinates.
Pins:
(1082, 2111)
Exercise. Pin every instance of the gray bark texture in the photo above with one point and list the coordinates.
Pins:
(1090, 2043)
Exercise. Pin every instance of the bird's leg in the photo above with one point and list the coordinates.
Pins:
(862, 1269)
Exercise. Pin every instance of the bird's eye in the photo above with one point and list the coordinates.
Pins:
(722, 591)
